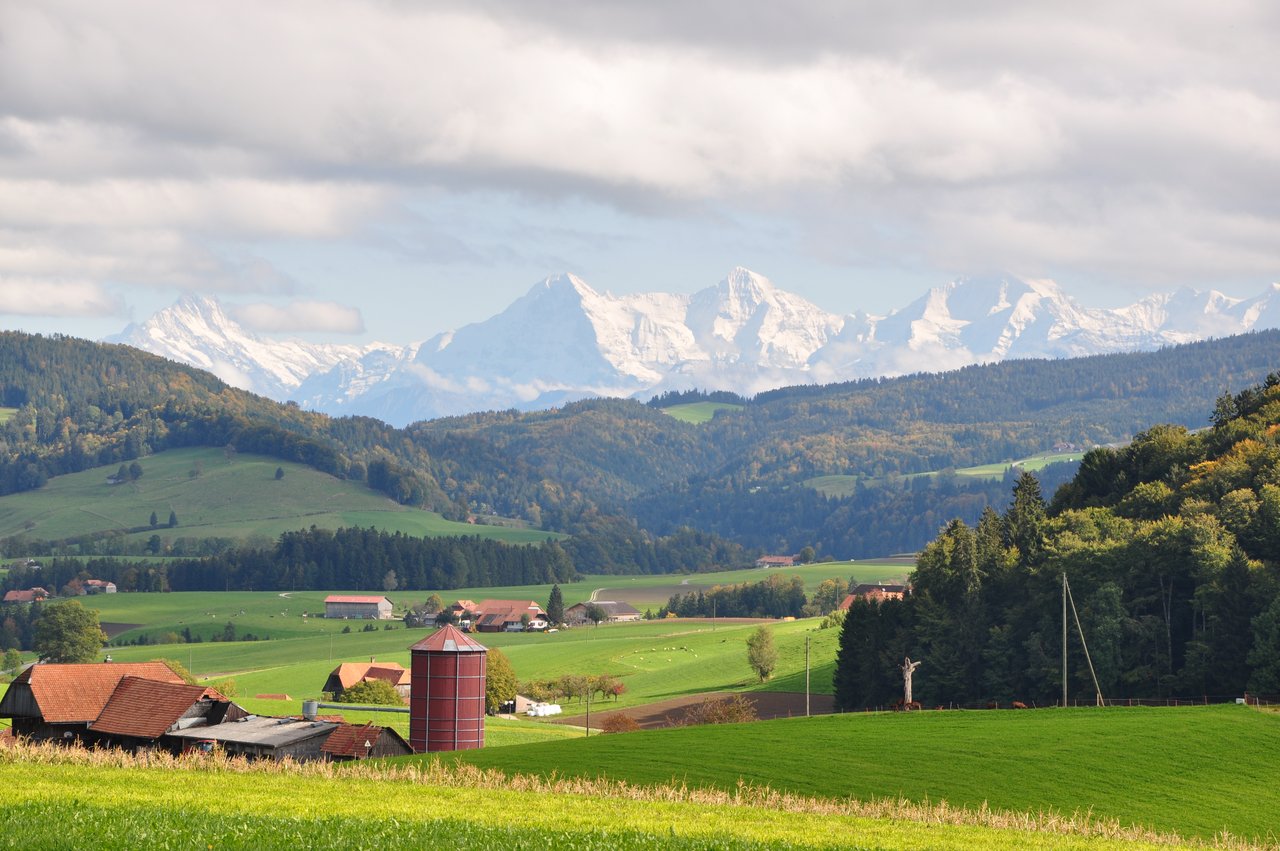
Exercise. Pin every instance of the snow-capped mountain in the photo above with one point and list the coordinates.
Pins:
(564, 340)
(196, 330)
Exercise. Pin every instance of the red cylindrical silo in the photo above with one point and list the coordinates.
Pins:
(446, 692)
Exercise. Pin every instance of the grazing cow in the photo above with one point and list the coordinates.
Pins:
(913, 705)
(1018, 704)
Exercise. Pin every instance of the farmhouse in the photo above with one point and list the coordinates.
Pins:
(876, 593)
(508, 615)
(99, 586)
(348, 674)
(31, 595)
(776, 561)
(61, 701)
(615, 612)
(363, 741)
(348, 606)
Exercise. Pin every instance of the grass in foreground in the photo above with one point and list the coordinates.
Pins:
(56, 798)
(1194, 771)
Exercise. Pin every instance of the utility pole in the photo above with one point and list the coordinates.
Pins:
(1064, 640)
(806, 676)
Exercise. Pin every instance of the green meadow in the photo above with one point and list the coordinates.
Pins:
(1195, 771)
(698, 413)
(6, 414)
(842, 486)
(118, 803)
(214, 496)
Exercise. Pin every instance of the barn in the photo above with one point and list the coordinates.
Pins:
(361, 608)
(61, 701)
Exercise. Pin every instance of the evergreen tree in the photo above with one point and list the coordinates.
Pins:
(173, 519)
(155, 521)
(555, 605)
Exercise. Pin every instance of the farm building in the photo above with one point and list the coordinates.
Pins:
(875, 593)
(31, 595)
(508, 615)
(363, 741)
(363, 608)
(776, 561)
(142, 713)
(61, 701)
(99, 586)
(615, 612)
(348, 674)
(260, 737)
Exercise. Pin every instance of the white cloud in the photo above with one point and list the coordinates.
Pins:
(319, 316)
(36, 297)
(157, 143)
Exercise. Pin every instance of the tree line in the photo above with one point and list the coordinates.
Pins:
(1171, 547)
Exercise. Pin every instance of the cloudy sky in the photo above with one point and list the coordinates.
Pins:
(387, 169)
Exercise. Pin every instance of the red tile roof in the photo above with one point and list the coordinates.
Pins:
(350, 673)
(449, 639)
(349, 739)
(148, 708)
(350, 598)
(68, 694)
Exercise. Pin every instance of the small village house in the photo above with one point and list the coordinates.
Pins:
(348, 674)
(875, 593)
(509, 616)
(30, 595)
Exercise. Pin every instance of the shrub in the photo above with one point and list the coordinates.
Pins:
(724, 710)
(374, 692)
(619, 724)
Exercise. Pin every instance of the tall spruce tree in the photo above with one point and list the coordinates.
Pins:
(555, 605)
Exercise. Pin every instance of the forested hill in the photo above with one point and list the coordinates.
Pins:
(80, 404)
(740, 475)
(620, 475)
(1171, 546)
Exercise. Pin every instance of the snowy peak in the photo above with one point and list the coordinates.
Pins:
(197, 330)
(565, 340)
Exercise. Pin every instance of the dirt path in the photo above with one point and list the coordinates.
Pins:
(651, 716)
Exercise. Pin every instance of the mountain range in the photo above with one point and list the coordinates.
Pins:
(564, 340)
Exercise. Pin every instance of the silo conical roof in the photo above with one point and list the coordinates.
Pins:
(449, 639)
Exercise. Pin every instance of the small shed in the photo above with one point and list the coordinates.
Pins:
(364, 741)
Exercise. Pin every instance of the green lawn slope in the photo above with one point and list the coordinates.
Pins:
(842, 486)
(1195, 771)
(698, 413)
(228, 498)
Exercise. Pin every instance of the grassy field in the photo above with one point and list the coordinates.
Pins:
(698, 413)
(1195, 771)
(842, 486)
(239, 498)
(656, 660)
(121, 802)
(280, 616)
(6, 414)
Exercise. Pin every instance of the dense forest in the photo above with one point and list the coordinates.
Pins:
(319, 559)
(1171, 548)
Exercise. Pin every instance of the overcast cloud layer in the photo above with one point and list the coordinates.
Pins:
(392, 158)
